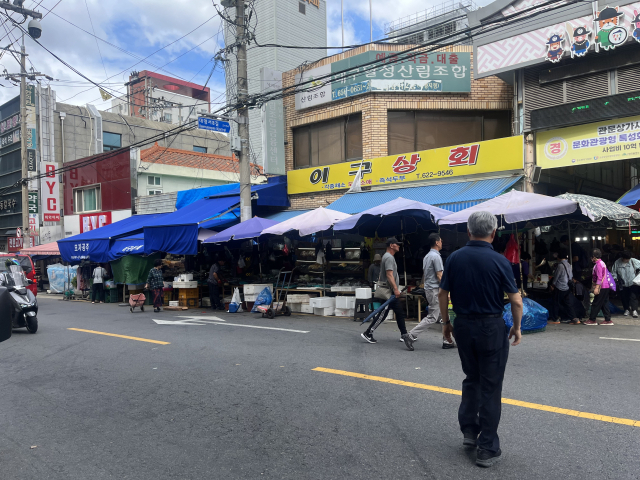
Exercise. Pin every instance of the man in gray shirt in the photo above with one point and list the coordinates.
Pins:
(562, 297)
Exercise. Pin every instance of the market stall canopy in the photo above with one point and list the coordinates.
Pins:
(48, 249)
(394, 217)
(525, 208)
(272, 194)
(603, 210)
(250, 229)
(95, 245)
(313, 221)
(454, 196)
(177, 232)
(131, 245)
(631, 198)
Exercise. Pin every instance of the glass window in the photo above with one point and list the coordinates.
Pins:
(151, 180)
(111, 141)
(400, 132)
(86, 200)
(198, 149)
(168, 117)
(497, 125)
(325, 143)
(155, 192)
(302, 8)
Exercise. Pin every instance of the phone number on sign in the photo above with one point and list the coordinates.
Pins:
(439, 173)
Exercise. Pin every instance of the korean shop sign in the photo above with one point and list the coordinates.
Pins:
(428, 165)
(593, 143)
(437, 72)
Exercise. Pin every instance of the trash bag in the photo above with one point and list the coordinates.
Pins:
(534, 316)
(235, 306)
(512, 251)
(263, 298)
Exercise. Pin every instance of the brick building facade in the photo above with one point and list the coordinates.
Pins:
(487, 94)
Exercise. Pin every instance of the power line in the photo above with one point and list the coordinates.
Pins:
(96, 39)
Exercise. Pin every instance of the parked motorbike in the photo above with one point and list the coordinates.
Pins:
(24, 311)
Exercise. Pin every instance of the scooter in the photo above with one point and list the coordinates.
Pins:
(25, 305)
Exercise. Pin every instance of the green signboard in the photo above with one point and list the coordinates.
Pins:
(33, 202)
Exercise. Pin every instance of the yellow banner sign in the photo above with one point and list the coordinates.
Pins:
(594, 143)
(441, 163)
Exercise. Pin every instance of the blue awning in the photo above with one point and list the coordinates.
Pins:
(95, 245)
(450, 196)
(131, 245)
(271, 194)
(177, 232)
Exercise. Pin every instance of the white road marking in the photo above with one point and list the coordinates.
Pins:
(621, 339)
(264, 328)
(177, 322)
(202, 318)
(222, 322)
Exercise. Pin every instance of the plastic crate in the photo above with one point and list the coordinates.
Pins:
(188, 293)
(166, 299)
(189, 302)
(111, 295)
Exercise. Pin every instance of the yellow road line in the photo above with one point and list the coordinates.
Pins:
(508, 401)
(120, 336)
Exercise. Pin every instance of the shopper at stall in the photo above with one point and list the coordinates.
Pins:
(432, 275)
(579, 258)
(624, 270)
(374, 270)
(155, 283)
(477, 278)
(388, 282)
(215, 282)
(600, 289)
(561, 287)
(97, 289)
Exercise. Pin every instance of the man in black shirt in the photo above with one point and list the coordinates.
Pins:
(477, 278)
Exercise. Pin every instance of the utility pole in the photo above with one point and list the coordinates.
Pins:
(243, 114)
(26, 234)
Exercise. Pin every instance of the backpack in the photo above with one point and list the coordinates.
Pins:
(612, 282)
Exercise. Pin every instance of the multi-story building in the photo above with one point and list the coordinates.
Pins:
(161, 98)
(282, 22)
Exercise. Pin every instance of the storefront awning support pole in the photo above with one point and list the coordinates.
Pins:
(404, 261)
(570, 253)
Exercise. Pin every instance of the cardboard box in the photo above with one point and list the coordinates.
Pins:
(345, 302)
(324, 311)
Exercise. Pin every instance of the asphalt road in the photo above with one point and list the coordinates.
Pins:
(229, 402)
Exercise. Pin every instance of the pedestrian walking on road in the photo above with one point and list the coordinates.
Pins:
(432, 275)
(624, 270)
(600, 288)
(97, 289)
(388, 282)
(477, 278)
(561, 286)
(215, 282)
(155, 283)
(374, 270)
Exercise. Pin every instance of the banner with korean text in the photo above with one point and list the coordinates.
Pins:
(50, 192)
(490, 156)
(593, 143)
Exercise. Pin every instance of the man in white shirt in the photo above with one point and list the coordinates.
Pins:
(97, 289)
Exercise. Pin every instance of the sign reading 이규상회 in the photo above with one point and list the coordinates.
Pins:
(597, 142)
(489, 156)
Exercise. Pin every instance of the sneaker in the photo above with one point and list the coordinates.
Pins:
(635, 314)
(470, 440)
(553, 321)
(607, 322)
(446, 345)
(626, 313)
(575, 321)
(368, 338)
(485, 458)
(413, 337)
(590, 322)
(565, 320)
(408, 341)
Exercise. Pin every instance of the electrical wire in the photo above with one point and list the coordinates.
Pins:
(106, 75)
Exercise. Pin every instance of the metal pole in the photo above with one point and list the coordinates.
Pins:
(342, 22)
(371, 20)
(23, 147)
(570, 253)
(243, 115)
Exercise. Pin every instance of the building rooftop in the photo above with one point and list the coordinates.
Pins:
(431, 14)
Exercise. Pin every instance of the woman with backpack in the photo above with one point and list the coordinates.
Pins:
(602, 285)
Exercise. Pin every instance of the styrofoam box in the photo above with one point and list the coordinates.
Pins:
(188, 284)
(186, 277)
(345, 302)
(305, 308)
(343, 289)
(324, 311)
(295, 307)
(363, 293)
(250, 298)
(322, 302)
(344, 312)
(301, 298)
(174, 304)
(256, 288)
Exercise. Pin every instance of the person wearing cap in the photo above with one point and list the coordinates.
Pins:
(432, 275)
(477, 278)
(374, 270)
(388, 286)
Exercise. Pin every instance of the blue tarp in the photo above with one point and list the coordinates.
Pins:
(273, 193)
(630, 198)
(450, 196)
(131, 245)
(96, 244)
(177, 232)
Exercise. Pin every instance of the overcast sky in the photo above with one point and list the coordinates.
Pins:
(140, 28)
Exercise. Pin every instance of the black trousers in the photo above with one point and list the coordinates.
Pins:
(398, 312)
(483, 346)
(562, 300)
(214, 296)
(601, 302)
(629, 297)
(97, 292)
